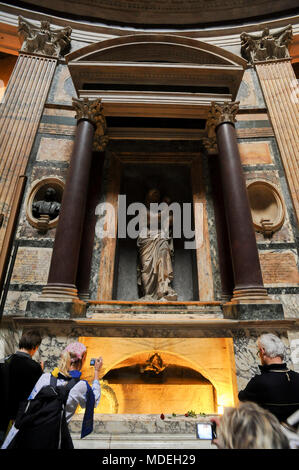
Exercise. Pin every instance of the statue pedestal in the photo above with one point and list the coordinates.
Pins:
(155, 311)
(51, 308)
(254, 310)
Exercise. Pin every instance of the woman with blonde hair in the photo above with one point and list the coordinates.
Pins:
(88, 397)
(249, 427)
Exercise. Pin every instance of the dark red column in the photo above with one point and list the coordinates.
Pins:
(244, 253)
(66, 250)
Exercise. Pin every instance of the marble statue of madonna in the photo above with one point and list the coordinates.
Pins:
(155, 251)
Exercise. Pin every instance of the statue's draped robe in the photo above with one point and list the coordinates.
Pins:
(155, 271)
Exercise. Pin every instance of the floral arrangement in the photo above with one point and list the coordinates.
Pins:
(189, 414)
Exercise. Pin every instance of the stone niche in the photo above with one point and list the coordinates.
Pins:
(37, 193)
(267, 207)
(159, 375)
(173, 181)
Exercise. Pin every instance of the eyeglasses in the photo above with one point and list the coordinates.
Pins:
(258, 353)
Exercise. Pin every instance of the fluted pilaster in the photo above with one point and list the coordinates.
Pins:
(20, 115)
(281, 92)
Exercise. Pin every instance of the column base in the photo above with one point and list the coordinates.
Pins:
(59, 292)
(225, 298)
(84, 295)
(56, 309)
(270, 310)
(57, 301)
(251, 295)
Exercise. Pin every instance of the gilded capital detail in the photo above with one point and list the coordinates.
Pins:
(219, 113)
(44, 40)
(92, 110)
(266, 46)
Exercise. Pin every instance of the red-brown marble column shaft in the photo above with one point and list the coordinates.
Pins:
(66, 250)
(281, 92)
(244, 253)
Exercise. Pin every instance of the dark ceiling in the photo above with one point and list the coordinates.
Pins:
(164, 13)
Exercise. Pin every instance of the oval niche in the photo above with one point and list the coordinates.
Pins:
(267, 207)
(37, 193)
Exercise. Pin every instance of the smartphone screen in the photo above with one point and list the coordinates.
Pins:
(204, 431)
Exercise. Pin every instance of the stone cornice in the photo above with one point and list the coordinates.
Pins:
(117, 321)
(90, 33)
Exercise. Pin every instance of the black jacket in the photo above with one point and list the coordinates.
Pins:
(276, 389)
(24, 372)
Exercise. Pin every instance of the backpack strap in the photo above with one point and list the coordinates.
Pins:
(67, 387)
(53, 381)
(71, 384)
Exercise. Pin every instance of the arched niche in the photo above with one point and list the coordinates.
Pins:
(206, 362)
(267, 206)
(137, 385)
(36, 193)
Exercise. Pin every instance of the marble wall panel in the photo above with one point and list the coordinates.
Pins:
(255, 153)
(54, 149)
(290, 302)
(98, 240)
(16, 300)
(214, 254)
(31, 266)
(245, 346)
(250, 94)
(294, 347)
(62, 90)
(9, 339)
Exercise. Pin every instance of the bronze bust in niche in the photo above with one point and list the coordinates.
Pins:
(46, 209)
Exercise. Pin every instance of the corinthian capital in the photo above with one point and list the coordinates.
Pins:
(92, 110)
(221, 112)
(43, 40)
(266, 46)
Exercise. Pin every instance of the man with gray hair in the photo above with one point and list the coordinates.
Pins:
(277, 387)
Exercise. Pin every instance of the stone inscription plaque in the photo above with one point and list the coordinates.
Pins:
(279, 268)
(32, 266)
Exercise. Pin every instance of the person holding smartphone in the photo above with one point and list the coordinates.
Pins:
(88, 397)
